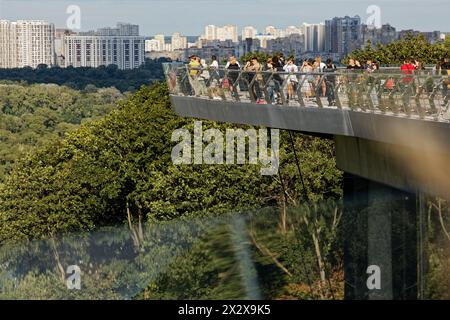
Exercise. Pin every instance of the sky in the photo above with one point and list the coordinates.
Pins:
(191, 16)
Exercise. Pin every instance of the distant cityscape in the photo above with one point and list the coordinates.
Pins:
(31, 43)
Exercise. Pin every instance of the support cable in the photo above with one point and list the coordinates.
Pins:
(305, 191)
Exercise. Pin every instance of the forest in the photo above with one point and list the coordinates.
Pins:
(89, 78)
(34, 115)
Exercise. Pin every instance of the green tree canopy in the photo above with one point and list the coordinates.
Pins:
(410, 47)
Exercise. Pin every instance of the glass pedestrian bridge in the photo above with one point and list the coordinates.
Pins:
(388, 126)
(387, 91)
(391, 134)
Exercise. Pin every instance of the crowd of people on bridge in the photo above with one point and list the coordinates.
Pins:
(273, 72)
(265, 79)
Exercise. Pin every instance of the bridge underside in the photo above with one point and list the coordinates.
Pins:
(402, 152)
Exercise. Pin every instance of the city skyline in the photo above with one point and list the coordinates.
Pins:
(151, 15)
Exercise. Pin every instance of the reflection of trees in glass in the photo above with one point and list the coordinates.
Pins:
(112, 266)
(438, 249)
(305, 249)
(192, 259)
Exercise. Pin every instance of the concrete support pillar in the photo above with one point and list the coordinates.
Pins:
(380, 250)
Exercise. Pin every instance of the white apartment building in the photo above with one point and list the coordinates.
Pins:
(178, 42)
(153, 45)
(162, 41)
(277, 33)
(168, 47)
(210, 32)
(228, 32)
(249, 32)
(121, 46)
(26, 43)
(292, 30)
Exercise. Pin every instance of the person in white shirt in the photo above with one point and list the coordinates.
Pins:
(215, 78)
(290, 67)
(214, 64)
(204, 78)
(319, 66)
(307, 80)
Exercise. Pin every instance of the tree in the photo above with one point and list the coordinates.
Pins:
(411, 46)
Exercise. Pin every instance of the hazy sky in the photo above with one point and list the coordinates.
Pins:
(190, 16)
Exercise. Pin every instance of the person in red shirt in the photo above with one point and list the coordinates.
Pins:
(407, 82)
(407, 68)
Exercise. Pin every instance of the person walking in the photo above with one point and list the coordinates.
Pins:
(278, 79)
(352, 65)
(307, 87)
(214, 78)
(318, 68)
(445, 71)
(330, 82)
(407, 68)
(269, 79)
(254, 69)
(292, 69)
(370, 67)
(319, 64)
(407, 83)
(233, 60)
(194, 72)
(233, 68)
(203, 78)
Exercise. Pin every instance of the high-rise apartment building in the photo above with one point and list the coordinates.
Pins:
(384, 35)
(277, 33)
(162, 40)
(288, 45)
(263, 39)
(179, 42)
(314, 37)
(249, 32)
(291, 30)
(26, 43)
(343, 35)
(211, 32)
(121, 46)
(228, 32)
(153, 45)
